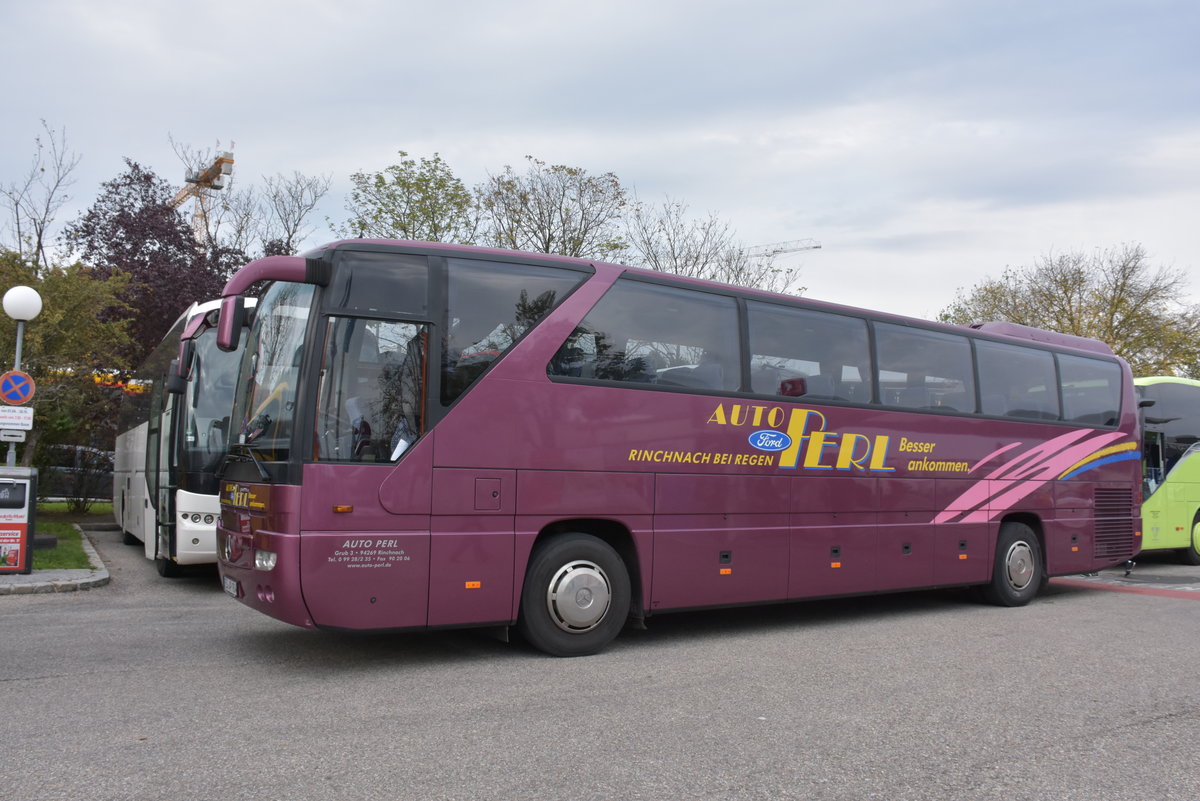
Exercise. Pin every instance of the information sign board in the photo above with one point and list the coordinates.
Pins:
(17, 417)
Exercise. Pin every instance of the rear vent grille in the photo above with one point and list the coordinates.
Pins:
(1114, 524)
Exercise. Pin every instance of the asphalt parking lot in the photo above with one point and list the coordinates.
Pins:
(149, 688)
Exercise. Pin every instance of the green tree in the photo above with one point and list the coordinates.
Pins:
(1114, 295)
(415, 199)
(554, 209)
(76, 338)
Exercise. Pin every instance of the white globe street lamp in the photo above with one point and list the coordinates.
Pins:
(22, 303)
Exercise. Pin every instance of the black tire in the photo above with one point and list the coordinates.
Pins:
(166, 568)
(576, 595)
(1019, 570)
(1190, 554)
(129, 539)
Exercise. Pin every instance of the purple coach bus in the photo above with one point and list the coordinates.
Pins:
(428, 435)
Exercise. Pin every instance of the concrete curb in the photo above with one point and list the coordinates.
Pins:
(40, 581)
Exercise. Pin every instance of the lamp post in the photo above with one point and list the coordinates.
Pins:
(22, 303)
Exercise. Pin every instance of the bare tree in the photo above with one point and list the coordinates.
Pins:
(34, 201)
(554, 209)
(666, 238)
(1114, 295)
(287, 203)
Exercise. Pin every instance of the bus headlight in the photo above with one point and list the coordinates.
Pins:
(209, 520)
(264, 560)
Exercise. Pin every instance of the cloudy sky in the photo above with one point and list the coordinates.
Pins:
(926, 144)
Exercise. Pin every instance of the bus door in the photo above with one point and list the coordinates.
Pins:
(159, 486)
(386, 541)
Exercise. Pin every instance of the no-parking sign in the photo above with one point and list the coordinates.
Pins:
(16, 387)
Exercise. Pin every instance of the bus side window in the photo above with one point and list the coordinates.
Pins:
(925, 369)
(1017, 382)
(805, 353)
(644, 333)
(491, 305)
(1091, 390)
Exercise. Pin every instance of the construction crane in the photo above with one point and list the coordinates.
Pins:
(777, 248)
(200, 185)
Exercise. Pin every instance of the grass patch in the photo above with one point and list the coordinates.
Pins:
(61, 511)
(55, 520)
(68, 555)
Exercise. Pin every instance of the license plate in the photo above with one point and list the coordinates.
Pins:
(230, 585)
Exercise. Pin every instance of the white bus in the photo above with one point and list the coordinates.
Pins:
(172, 438)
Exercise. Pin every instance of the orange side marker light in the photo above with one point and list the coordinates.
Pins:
(727, 571)
(474, 585)
(342, 508)
(835, 564)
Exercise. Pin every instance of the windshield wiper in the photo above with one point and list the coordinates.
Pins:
(239, 452)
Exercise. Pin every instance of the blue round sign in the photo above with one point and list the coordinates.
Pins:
(16, 387)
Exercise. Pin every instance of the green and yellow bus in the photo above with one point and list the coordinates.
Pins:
(1171, 453)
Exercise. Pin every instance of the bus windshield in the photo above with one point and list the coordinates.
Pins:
(264, 403)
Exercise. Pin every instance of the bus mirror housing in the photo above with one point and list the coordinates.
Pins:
(176, 384)
(180, 371)
(229, 324)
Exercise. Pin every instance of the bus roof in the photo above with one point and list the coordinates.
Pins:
(1165, 379)
(1002, 330)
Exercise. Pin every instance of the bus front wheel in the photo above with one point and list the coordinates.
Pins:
(1018, 572)
(1191, 553)
(576, 595)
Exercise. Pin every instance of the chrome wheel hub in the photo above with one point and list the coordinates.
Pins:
(1018, 565)
(578, 597)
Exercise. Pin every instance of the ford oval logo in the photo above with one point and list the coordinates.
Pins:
(768, 440)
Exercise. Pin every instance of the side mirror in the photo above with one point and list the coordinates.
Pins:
(229, 324)
(176, 384)
(180, 371)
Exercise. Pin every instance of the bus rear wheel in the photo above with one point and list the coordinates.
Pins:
(1018, 571)
(576, 595)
